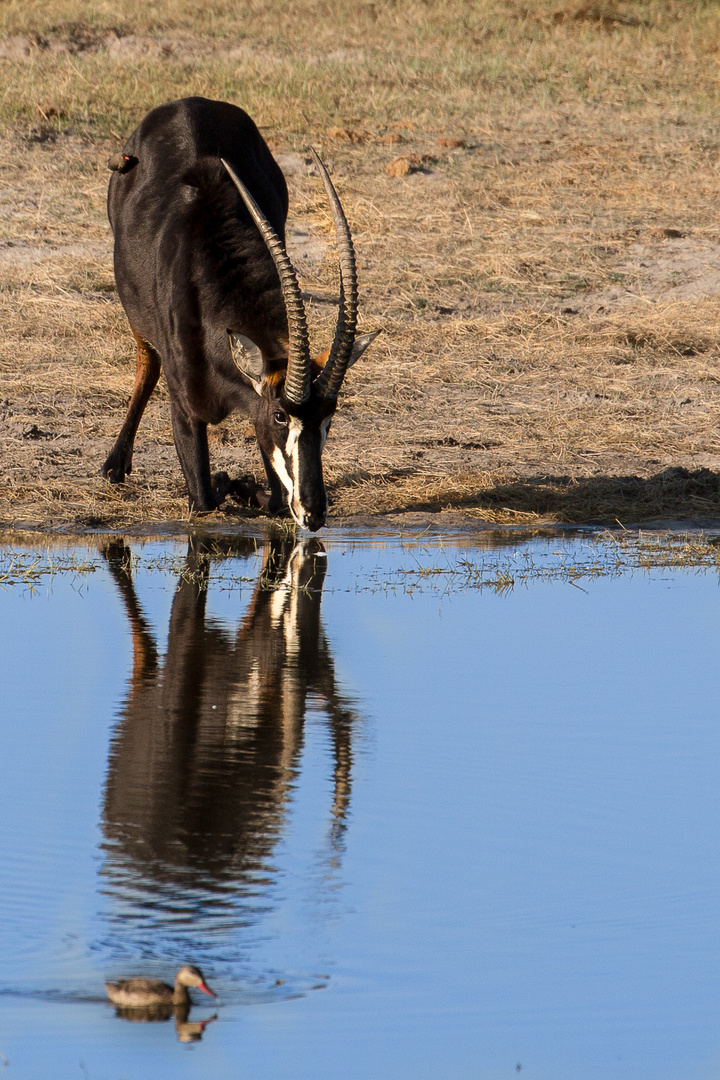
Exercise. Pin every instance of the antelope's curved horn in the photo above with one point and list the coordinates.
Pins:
(330, 380)
(297, 379)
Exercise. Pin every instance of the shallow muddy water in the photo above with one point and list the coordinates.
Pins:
(416, 810)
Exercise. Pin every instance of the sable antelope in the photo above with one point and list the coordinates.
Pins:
(198, 206)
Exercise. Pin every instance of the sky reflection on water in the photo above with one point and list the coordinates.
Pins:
(485, 823)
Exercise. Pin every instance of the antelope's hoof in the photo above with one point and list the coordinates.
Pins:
(114, 472)
(221, 486)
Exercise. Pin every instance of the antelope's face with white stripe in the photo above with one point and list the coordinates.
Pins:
(299, 395)
(292, 435)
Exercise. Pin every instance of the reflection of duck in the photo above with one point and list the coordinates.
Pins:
(146, 993)
(189, 1031)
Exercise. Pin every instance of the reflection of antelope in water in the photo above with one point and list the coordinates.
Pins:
(208, 746)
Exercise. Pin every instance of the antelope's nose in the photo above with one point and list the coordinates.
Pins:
(313, 522)
(311, 517)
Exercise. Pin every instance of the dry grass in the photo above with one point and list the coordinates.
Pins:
(546, 273)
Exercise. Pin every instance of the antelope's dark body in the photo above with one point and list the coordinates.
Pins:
(189, 263)
(191, 266)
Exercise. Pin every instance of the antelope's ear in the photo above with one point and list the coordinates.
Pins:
(361, 344)
(248, 358)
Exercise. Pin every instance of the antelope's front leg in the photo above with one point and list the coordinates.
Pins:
(191, 443)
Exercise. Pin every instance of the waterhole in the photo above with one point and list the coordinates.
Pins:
(417, 807)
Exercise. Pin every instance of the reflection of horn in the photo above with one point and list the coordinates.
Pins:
(285, 611)
(302, 583)
(297, 378)
(343, 720)
(207, 748)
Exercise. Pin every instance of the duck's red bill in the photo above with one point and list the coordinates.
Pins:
(206, 990)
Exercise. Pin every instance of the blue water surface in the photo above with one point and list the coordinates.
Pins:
(407, 832)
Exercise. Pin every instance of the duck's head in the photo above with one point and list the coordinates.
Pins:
(192, 976)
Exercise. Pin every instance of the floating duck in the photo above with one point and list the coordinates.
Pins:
(143, 993)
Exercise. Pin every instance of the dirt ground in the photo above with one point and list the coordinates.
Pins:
(545, 268)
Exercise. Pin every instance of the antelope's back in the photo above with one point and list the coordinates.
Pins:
(178, 223)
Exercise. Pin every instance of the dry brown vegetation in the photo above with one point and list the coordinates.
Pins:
(546, 268)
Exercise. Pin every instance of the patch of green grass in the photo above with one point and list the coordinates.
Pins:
(300, 66)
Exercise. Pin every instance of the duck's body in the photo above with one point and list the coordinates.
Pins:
(142, 993)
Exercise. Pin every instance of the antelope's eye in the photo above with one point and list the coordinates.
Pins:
(280, 418)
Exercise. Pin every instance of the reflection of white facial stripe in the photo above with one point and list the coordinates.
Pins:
(291, 455)
(277, 604)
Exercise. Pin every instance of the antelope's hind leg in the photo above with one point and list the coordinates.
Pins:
(147, 373)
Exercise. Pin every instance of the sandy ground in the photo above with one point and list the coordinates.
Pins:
(550, 329)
